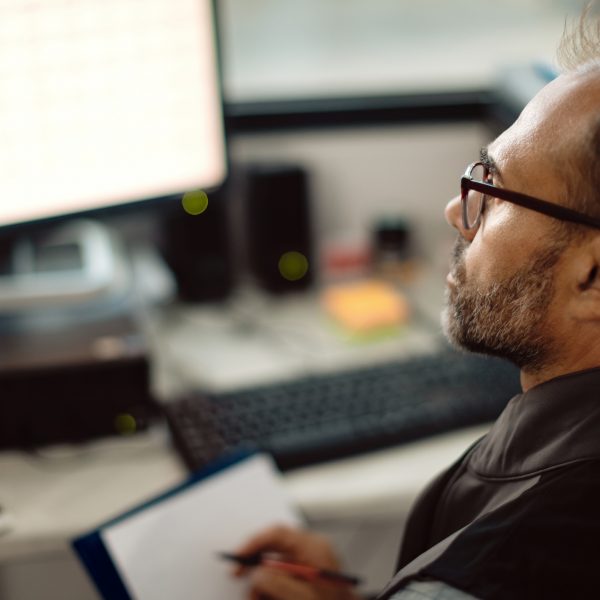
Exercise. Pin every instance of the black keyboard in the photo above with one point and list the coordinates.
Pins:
(323, 417)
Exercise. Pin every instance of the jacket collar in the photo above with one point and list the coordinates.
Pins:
(550, 425)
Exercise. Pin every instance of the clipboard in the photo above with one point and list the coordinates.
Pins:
(167, 547)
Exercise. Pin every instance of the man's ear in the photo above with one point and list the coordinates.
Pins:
(587, 277)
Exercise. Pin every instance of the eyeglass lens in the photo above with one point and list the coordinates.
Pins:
(473, 204)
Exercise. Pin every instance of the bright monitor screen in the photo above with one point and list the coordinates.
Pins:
(105, 102)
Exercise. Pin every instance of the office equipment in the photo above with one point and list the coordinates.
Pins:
(279, 228)
(334, 415)
(198, 250)
(69, 265)
(106, 104)
(69, 384)
(167, 547)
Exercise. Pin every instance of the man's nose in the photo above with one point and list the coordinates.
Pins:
(453, 214)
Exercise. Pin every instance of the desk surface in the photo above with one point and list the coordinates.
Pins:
(254, 338)
(65, 490)
(62, 491)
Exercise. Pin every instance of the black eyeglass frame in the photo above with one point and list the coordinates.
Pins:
(542, 206)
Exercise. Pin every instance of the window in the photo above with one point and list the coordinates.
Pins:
(282, 49)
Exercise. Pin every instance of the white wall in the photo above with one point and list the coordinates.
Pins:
(358, 175)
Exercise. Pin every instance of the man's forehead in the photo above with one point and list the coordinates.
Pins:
(566, 101)
(554, 122)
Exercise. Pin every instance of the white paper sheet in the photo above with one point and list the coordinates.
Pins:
(169, 550)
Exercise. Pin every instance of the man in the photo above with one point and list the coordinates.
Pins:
(518, 516)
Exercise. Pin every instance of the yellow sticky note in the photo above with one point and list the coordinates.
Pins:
(366, 305)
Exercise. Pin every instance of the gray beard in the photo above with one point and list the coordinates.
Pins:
(506, 319)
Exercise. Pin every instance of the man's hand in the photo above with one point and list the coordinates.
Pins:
(297, 546)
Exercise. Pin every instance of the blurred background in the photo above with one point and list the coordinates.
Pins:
(275, 50)
(225, 234)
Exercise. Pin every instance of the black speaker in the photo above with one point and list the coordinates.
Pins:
(197, 249)
(279, 227)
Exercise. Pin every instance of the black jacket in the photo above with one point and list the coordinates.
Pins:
(518, 516)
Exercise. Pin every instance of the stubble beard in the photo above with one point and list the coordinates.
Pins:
(507, 319)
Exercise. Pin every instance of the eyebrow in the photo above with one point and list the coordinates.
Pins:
(489, 162)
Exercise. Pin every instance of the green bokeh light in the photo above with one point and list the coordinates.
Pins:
(293, 265)
(195, 202)
(125, 424)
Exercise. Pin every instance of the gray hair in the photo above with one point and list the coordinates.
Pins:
(579, 53)
(579, 48)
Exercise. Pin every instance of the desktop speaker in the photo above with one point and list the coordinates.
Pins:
(278, 223)
(197, 249)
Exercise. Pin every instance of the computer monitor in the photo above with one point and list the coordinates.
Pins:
(105, 103)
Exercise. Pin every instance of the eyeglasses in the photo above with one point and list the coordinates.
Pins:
(474, 190)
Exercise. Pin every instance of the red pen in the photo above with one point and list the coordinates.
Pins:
(305, 571)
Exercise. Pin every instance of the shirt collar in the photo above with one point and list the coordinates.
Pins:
(550, 425)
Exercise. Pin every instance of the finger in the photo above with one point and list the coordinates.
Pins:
(295, 544)
(279, 538)
(277, 585)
